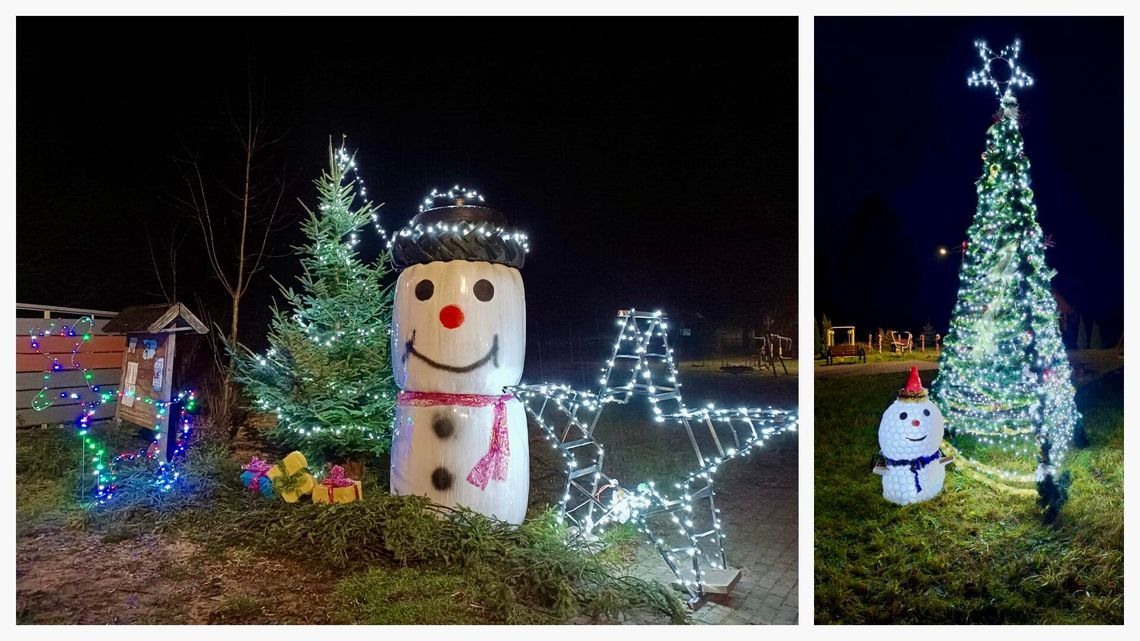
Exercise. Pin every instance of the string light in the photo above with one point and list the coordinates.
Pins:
(1004, 382)
(347, 162)
(105, 473)
(455, 196)
(43, 400)
(568, 419)
(459, 196)
(323, 375)
(166, 474)
(1008, 56)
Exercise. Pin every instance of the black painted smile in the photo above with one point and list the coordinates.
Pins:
(915, 440)
(491, 356)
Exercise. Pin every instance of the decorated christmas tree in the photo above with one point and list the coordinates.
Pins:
(1004, 382)
(327, 373)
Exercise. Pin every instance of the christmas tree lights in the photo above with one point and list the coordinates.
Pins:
(327, 375)
(683, 523)
(1004, 382)
(347, 162)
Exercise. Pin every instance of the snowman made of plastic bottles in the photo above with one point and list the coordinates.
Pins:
(911, 463)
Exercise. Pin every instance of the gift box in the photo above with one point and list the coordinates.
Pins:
(337, 488)
(291, 478)
(254, 477)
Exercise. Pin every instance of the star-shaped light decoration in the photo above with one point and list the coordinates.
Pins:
(1008, 56)
(683, 522)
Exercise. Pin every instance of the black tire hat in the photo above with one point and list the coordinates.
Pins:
(459, 232)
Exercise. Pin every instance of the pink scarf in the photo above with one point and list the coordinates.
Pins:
(493, 465)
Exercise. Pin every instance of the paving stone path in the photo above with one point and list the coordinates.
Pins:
(758, 501)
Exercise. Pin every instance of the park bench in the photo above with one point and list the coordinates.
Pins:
(846, 351)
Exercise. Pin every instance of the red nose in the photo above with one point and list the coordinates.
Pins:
(914, 422)
(451, 316)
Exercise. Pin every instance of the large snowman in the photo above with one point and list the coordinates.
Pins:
(459, 337)
(910, 435)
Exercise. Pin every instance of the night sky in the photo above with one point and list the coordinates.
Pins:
(898, 138)
(652, 161)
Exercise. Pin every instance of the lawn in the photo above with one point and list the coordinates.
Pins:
(215, 554)
(974, 554)
(874, 356)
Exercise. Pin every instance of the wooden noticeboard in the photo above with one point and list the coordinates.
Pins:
(146, 379)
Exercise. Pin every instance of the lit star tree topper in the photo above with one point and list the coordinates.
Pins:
(1000, 69)
(1004, 382)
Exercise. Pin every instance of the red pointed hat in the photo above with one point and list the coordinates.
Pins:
(914, 390)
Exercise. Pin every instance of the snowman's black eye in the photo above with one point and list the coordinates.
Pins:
(926, 412)
(902, 417)
(424, 289)
(484, 290)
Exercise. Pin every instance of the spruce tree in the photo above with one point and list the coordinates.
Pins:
(1096, 342)
(327, 373)
(1004, 382)
(1082, 335)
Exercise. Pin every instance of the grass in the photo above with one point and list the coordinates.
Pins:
(873, 356)
(396, 559)
(385, 559)
(405, 596)
(974, 554)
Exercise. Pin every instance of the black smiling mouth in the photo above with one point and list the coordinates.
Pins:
(915, 440)
(491, 356)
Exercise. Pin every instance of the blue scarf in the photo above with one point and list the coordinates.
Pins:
(915, 464)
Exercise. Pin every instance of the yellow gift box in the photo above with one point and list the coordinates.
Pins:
(337, 488)
(293, 464)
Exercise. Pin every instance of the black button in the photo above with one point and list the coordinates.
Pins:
(441, 479)
(442, 426)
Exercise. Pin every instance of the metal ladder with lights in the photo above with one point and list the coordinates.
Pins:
(650, 353)
(568, 419)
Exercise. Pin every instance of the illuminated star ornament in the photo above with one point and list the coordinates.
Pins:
(683, 521)
(1000, 69)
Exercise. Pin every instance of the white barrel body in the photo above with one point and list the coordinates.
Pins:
(459, 328)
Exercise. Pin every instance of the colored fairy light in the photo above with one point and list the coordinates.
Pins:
(103, 472)
(568, 419)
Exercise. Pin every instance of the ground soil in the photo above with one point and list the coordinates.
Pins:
(70, 576)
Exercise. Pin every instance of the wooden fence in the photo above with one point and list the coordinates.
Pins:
(101, 357)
